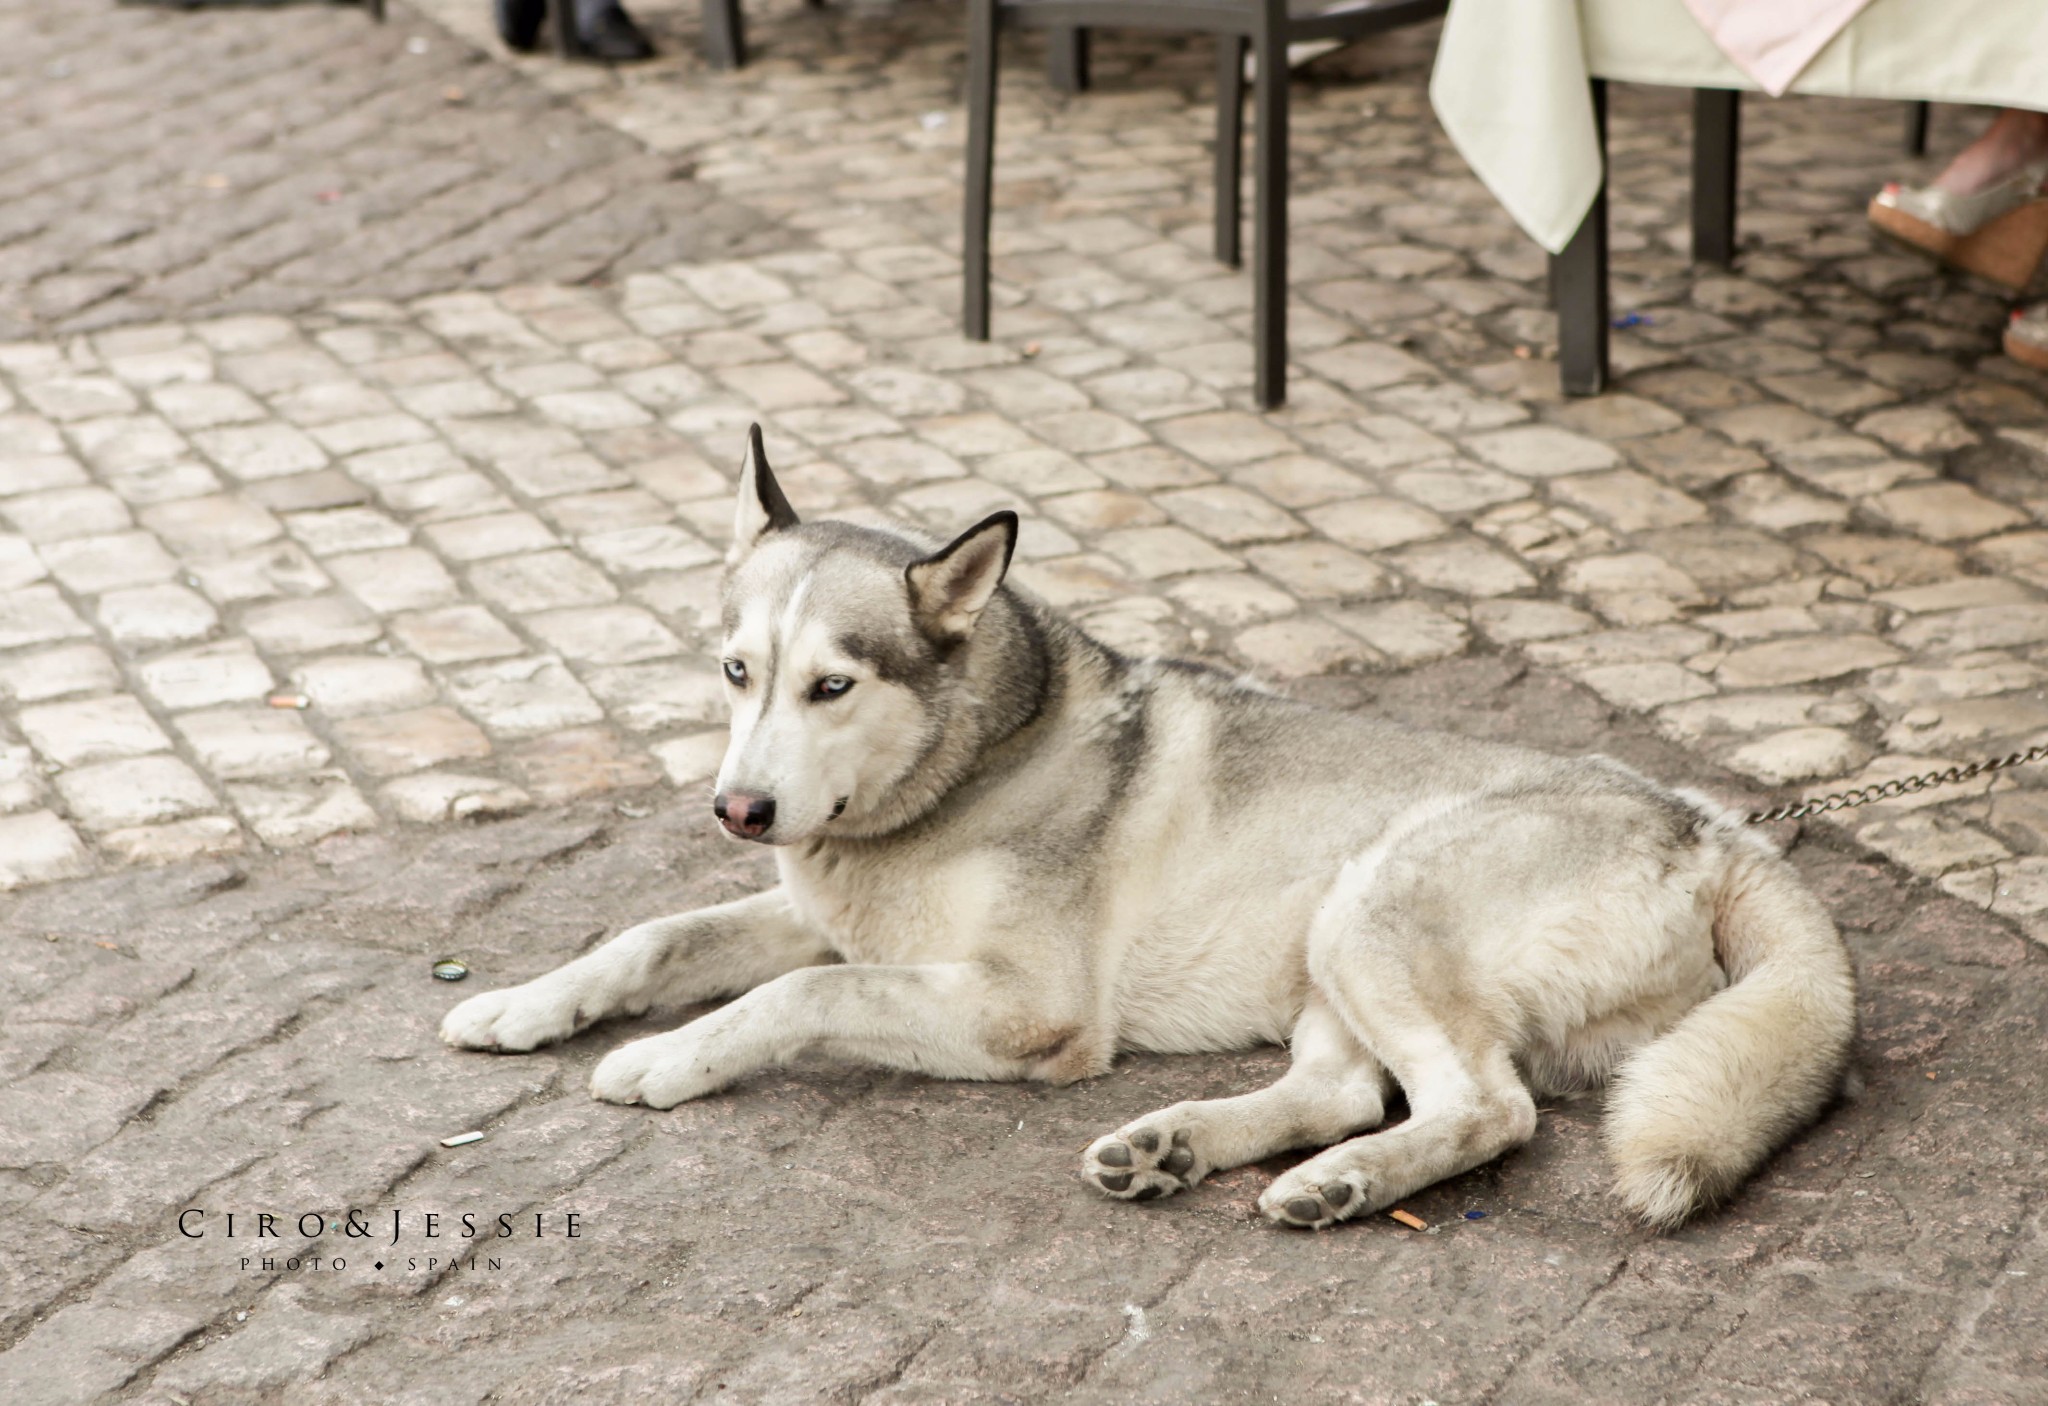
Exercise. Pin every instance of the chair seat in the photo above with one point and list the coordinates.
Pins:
(1306, 19)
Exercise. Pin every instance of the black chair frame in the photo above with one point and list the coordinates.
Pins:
(1578, 273)
(1263, 27)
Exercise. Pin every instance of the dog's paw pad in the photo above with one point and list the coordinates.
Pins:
(1129, 1164)
(1312, 1206)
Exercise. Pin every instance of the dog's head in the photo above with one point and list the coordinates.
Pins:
(841, 644)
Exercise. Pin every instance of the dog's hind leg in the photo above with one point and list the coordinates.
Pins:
(1467, 1111)
(1467, 1101)
(1332, 1090)
(693, 956)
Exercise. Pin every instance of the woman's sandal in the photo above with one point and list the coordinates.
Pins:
(2000, 233)
(2026, 336)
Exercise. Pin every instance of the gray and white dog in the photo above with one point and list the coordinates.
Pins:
(1008, 852)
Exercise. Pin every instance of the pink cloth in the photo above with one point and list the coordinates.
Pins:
(1773, 40)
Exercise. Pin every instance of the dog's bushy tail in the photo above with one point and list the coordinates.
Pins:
(1698, 1109)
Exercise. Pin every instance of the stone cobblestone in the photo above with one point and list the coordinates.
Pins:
(159, 162)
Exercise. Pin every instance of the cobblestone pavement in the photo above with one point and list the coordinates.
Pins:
(449, 465)
(156, 162)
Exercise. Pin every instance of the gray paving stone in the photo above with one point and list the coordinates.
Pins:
(1541, 451)
(259, 451)
(455, 634)
(89, 565)
(136, 791)
(245, 744)
(60, 513)
(523, 697)
(227, 672)
(311, 625)
(294, 813)
(149, 617)
(39, 848)
(541, 581)
(93, 729)
(211, 527)
(389, 743)
(618, 634)
(401, 578)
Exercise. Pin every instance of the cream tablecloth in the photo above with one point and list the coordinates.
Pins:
(1510, 85)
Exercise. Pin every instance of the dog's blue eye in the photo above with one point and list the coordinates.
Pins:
(831, 686)
(736, 673)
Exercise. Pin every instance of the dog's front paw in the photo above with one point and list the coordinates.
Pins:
(660, 1071)
(1143, 1161)
(514, 1020)
(1311, 1204)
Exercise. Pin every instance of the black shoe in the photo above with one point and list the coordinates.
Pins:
(610, 35)
(519, 22)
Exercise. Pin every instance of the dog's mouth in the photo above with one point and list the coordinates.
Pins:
(839, 807)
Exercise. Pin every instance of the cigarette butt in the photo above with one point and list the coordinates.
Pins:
(460, 1139)
(289, 700)
(1409, 1219)
(1031, 349)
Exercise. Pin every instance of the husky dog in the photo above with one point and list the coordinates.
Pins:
(1008, 852)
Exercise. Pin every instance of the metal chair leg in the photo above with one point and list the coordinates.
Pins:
(981, 160)
(1066, 60)
(1269, 206)
(1916, 128)
(1580, 277)
(1230, 51)
(1716, 142)
(725, 39)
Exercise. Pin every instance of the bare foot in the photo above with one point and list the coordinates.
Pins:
(2014, 141)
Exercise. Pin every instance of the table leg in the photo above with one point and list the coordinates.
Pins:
(725, 42)
(981, 164)
(1066, 60)
(1230, 51)
(1579, 276)
(1916, 128)
(1716, 138)
(1269, 206)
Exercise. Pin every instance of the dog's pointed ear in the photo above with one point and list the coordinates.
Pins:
(762, 508)
(949, 588)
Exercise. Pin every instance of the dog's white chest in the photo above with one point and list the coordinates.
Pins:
(887, 912)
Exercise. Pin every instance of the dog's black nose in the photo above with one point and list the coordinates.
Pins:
(744, 815)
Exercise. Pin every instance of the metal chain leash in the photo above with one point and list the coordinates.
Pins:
(1888, 790)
